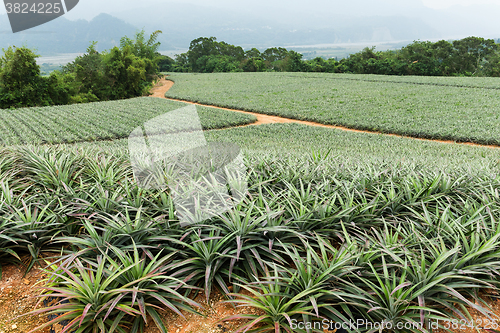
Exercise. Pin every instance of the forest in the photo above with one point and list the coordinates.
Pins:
(471, 56)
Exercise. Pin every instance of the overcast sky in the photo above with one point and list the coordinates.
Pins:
(422, 19)
(87, 9)
(441, 4)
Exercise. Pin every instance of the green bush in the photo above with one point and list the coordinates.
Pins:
(119, 73)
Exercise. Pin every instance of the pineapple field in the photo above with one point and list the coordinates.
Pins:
(459, 109)
(97, 121)
(361, 232)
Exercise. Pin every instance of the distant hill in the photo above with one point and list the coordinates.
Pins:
(65, 36)
(183, 22)
(264, 23)
(261, 24)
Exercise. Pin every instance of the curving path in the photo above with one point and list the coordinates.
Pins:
(164, 85)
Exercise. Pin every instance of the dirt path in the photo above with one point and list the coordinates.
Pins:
(164, 85)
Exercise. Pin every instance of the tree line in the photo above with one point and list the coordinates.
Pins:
(471, 56)
(128, 71)
(207, 55)
(121, 72)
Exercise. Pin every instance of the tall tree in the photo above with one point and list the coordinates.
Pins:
(420, 58)
(198, 48)
(471, 53)
(144, 49)
(20, 80)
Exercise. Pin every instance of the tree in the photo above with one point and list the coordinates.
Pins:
(125, 73)
(59, 88)
(220, 64)
(319, 64)
(147, 50)
(118, 73)
(420, 58)
(198, 48)
(166, 64)
(293, 62)
(471, 53)
(492, 66)
(254, 64)
(252, 53)
(470, 56)
(356, 63)
(274, 57)
(181, 63)
(20, 80)
(87, 73)
(443, 53)
(114, 74)
(225, 49)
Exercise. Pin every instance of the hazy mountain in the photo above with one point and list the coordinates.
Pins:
(65, 36)
(269, 23)
(260, 23)
(285, 25)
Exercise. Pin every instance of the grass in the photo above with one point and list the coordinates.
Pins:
(98, 121)
(461, 109)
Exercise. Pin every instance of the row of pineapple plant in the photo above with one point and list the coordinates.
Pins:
(310, 244)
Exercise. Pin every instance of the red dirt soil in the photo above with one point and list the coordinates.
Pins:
(18, 295)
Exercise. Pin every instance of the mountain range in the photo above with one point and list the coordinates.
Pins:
(295, 24)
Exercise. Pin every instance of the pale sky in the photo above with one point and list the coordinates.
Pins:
(478, 17)
(114, 5)
(389, 20)
(441, 4)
